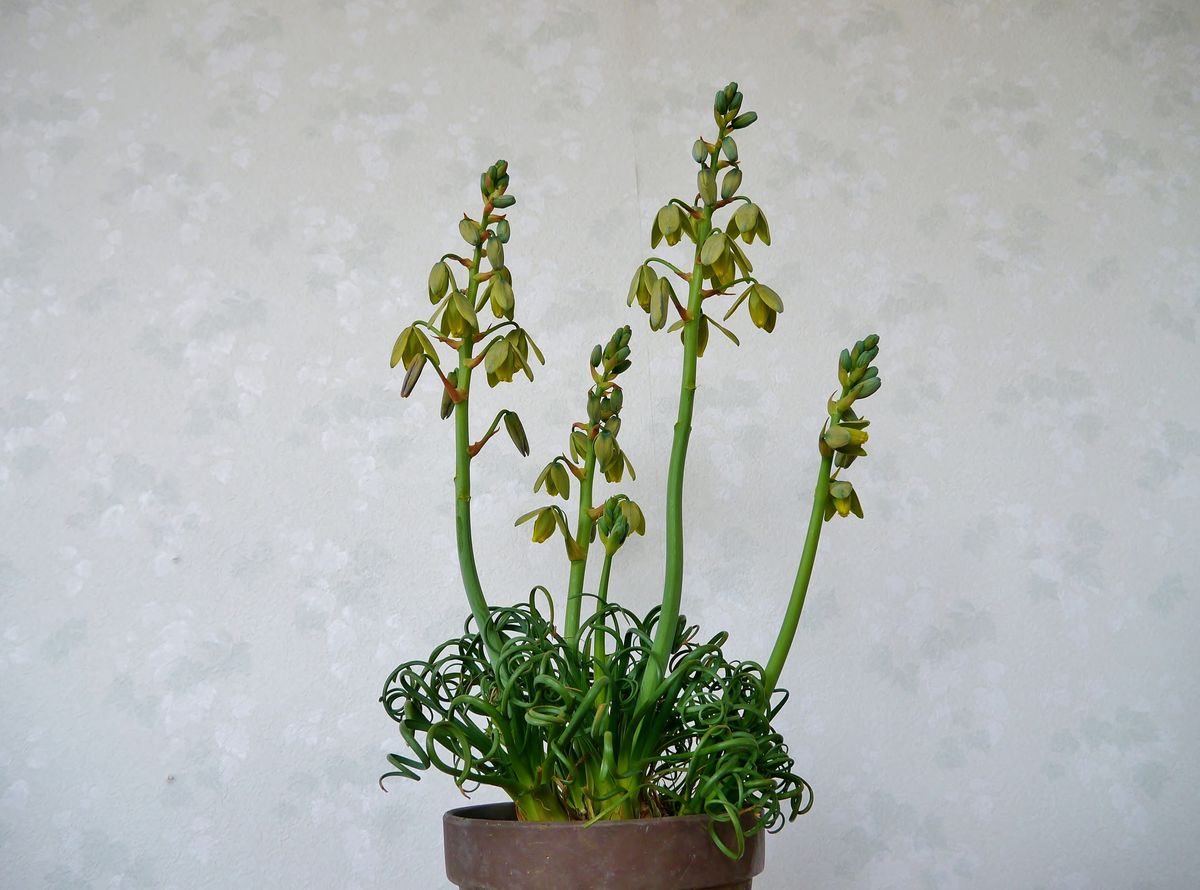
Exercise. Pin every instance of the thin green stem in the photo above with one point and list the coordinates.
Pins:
(724, 291)
(601, 602)
(670, 266)
(462, 484)
(583, 537)
(664, 634)
(808, 558)
(503, 324)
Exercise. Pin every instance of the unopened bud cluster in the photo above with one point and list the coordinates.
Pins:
(605, 400)
(846, 435)
(493, 183)
(855, 371)
(713, 156)
(620, 517)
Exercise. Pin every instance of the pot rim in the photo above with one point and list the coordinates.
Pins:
(463, 815)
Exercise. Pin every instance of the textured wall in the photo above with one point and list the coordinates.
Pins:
(221, 527)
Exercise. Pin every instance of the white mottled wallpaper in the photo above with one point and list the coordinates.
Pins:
(221, 527)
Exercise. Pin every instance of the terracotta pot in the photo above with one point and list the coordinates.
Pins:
(488, 849)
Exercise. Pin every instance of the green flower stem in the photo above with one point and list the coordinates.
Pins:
(748, 279)
(462, 484)
(601, 602)
(791, 618)
(583, 537)
(664, 634)
(496, 327)
(607, 789)
(670, 266)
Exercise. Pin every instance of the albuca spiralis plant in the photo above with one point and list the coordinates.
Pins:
(611, 715)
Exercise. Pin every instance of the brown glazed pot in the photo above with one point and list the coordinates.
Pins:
(488, 849)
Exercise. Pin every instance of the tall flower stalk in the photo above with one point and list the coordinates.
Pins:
(456, 323)
(719, 262)
(592, 446)
(841, 443)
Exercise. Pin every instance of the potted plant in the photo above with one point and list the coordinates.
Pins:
(635, 752)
